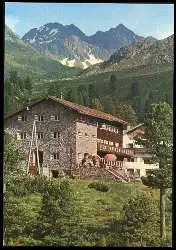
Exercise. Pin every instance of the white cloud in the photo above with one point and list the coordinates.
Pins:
(12, 21)
(164, 31)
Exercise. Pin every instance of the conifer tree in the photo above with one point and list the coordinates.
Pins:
(158, 139)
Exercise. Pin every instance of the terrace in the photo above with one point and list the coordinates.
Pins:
(125, 151)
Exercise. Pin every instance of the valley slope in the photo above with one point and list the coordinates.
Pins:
(26, 60)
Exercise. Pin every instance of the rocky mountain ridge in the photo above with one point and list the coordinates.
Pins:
(148, 51)
(72, 47)
(27, 60)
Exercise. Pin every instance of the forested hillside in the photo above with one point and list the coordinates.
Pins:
(125, 85)
(106, 91)
(21, 57)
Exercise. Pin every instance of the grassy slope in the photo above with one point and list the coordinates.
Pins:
(128, 74)
(23, 58)
(98, 208)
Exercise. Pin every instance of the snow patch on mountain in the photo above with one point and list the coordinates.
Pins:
(49, 41)
(83, 64)
(68, 62)
(53, 32)
(92, 60)
(32, 40)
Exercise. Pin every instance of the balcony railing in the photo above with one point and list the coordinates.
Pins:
(119, 164)
(126, 151)
(128, 165)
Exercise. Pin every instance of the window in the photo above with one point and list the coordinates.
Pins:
(108, 127)
(24, 118)
(40, 135)
(21, 135)
(117, 144)
(38, 118)
(79, 157)
(55, 117)
(111, 143)
(79, 133)
(55, 135)
(130, 145)
(19, 117)
(103, 126)
(56, 156)
(86, 134)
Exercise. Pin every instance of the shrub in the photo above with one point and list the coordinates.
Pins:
(37, 184)
(99, 186)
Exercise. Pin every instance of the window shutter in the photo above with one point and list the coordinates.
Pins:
(52, 117)
(36, 117)
(20, 118)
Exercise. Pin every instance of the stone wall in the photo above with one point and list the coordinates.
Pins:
(86, 140)
(65, 145)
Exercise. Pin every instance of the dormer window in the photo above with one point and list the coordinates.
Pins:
(38, 118)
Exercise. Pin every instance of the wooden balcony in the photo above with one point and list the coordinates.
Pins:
(124, 151)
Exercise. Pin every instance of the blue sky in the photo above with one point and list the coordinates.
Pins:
(144, 19)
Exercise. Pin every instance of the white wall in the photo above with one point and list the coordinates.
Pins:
(140, 165)
(127, 140)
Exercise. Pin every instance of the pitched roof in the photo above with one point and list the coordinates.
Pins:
(79, 108)
(134, 128)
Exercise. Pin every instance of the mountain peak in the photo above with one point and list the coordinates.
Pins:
(121, 25)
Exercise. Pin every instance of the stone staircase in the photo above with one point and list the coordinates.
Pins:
(119, 175)
(106, 170)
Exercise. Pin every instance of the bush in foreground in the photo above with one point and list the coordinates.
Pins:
(99, 186)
